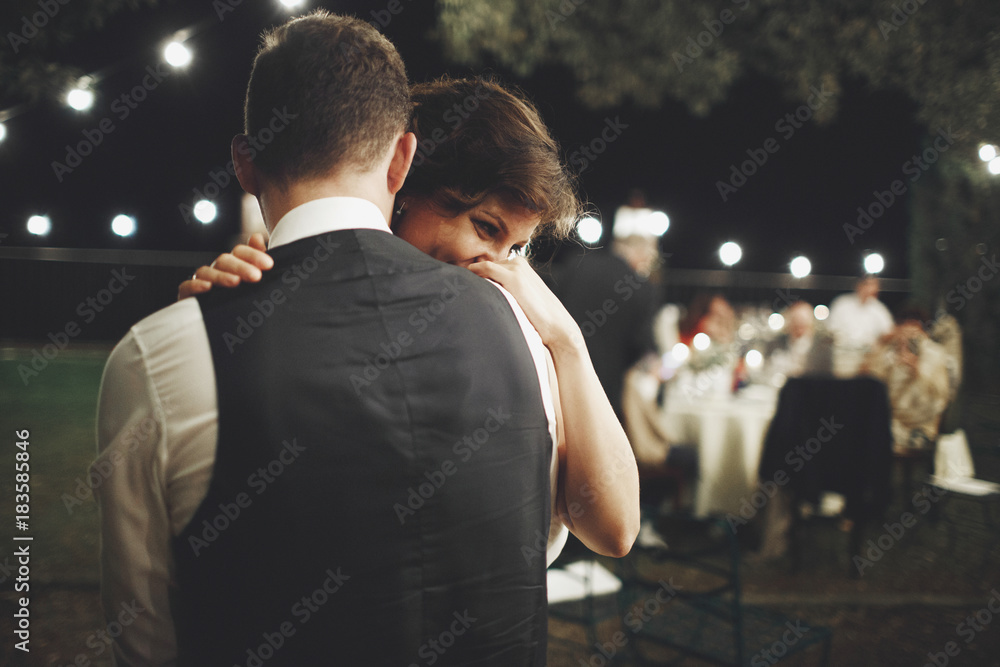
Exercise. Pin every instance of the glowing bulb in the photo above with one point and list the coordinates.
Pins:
(775, 321)
(800, 267)
(589, 229)
(994, 166)
(987, 152)
(39, 225)
(702, 341)
(80, 99)
(680, 352)
(177, 55)
(3, 131)
(754, 358)
(205, 211)
(658, 223)
(123, 225)
(874, 263)
(821, 312)
(730, 253)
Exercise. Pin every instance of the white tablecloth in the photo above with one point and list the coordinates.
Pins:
(729, 431)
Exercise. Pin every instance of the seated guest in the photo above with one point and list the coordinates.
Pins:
(915, 370)
(710, 314)
(800, 350)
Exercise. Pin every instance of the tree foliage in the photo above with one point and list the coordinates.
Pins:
(944, 54)
(35, 35)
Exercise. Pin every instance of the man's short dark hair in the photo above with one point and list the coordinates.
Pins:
(341, 84)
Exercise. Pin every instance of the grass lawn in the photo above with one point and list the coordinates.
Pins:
(58, 408)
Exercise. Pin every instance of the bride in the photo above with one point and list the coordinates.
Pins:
(486, 180)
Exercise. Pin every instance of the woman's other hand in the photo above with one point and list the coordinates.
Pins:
(546, 313)
(245, 262)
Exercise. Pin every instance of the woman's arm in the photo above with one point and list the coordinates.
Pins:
(599, 489)
(245, 262)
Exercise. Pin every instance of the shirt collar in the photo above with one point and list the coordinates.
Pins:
(330, 214)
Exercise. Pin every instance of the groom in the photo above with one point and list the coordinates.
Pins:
(267, 509)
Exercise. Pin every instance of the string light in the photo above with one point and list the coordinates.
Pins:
(874, 263)
(590, 229)
(205, 211)
(800, 267)
(123, 225)
(39, 225)
(730, 253)
(80, 98)
(177, 54)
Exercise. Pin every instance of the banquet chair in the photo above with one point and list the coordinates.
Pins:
(831, 435)
(685, 601)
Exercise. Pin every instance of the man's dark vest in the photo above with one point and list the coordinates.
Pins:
(381, 483)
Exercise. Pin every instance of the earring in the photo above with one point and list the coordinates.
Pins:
(402, 207)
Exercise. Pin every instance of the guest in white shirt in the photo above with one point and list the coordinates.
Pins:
(857, 320)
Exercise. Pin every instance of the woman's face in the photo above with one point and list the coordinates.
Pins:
(491, 230)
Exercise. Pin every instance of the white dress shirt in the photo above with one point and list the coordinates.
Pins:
(157, 427)
(857, 324)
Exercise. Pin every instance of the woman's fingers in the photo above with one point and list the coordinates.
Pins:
(256, 241)
(245, 262)
(253, 256)
(191, 287)
(241, 264)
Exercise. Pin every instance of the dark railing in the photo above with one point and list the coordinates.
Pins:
(101, 293)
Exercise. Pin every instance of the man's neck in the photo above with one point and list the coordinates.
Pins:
(276, 202)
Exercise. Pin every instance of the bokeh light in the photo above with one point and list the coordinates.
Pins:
(874, 263)
(177, 54)
(123, 225)
(590, 229)
(730, 253)
(80, 98)
(205, 211)
(40, 225)
(801, 267)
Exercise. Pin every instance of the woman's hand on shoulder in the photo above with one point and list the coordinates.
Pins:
(245, 262)
(544, 310)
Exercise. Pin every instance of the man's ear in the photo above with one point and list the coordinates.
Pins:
(246, 172)
(402, 158)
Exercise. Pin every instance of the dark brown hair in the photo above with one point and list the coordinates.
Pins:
(342, 87)
(477, 138)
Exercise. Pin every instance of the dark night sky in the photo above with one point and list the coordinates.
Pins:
(168, 145)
